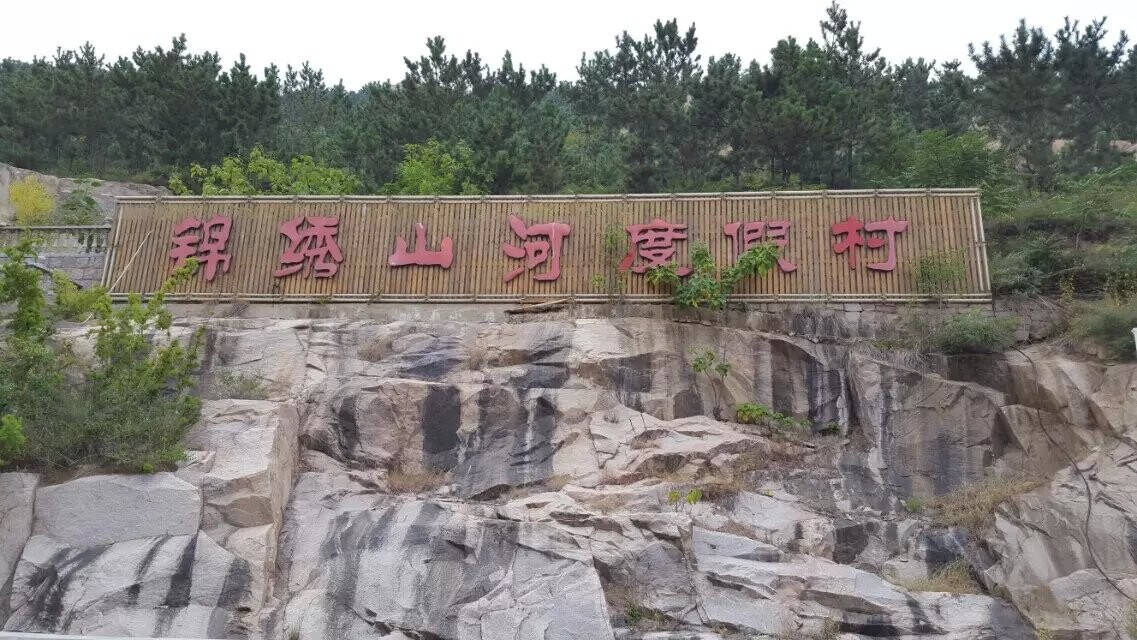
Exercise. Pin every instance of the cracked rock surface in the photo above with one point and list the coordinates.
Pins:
(565, 479)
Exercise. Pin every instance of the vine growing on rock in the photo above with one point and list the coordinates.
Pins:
(707, 286)
(124, 408)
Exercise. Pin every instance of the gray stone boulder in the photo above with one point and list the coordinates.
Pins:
(245, 459)
(103, 510)
(17, 497)
(362, 563)
(165, 586)
(1051, 555)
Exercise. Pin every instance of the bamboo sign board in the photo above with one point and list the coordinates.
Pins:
(834, 245)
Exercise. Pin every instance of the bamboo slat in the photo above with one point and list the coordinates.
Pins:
(938, 221)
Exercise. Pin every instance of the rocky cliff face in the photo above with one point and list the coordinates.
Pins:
(534, 480)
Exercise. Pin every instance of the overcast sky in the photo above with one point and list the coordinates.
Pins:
(364, 41)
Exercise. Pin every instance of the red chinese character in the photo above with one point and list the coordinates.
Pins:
(655, 243)
(312, 248)
(891, 226)
(421, 255)
(851, 228)
(208, 246)
(537, 252)
(753, 233)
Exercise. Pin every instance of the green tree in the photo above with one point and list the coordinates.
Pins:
(127, 409)
(1018, 97)
(264, 175)
(430, 169)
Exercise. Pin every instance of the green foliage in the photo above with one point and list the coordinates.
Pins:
(1087, 232)
(75, 304)
(913, 504)
(127, 409)
(649, 114)
(12, 438)
(79, 208)
(31, 203)
(752, 412)
(706, 286)
(614, 245)
(938, 274)
(677, 499)
(706, 362)
(756, 413)
(972, 332)
(938, 158)
(431, 170)
(1108, 324)
(263, 175)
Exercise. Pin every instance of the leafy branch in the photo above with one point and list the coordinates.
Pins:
(706, 286)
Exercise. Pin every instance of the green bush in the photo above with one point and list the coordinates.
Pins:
(79, 208)
(127, 409)
(705, 286)
(263, 174)
(1012, 273)
(12, 438)
(1083, 237)
(939, 274)
(973, 332)
(31, 202)
(1108, 324)
(756, 413)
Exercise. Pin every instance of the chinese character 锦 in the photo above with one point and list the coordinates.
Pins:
(655, 243)
(851, 228)
(205, 241)
(748, 234)
(422, 255)
(537, 252)
(311, 247)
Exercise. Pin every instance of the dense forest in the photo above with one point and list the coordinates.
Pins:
(1045, 126)
(649, 114)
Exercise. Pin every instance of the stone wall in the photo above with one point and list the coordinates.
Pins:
(1037, 318)
(80, 252)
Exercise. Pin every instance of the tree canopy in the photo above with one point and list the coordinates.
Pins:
(648, 114)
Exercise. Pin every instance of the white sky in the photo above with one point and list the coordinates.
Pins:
(364, 41)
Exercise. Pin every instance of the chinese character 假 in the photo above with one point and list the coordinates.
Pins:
(748, 234)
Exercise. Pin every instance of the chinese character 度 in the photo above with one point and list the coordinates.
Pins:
(851, 228)
(537, 252)
(208, 246)
(749, 234)
(311, 247)
(421, 255)
(655, 243)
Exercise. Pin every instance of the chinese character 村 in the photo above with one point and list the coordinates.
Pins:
(749, 234)
(851, 228)
(206, 241)
(422, 255)
(311, 247)
(655, 243)
(537, 252)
